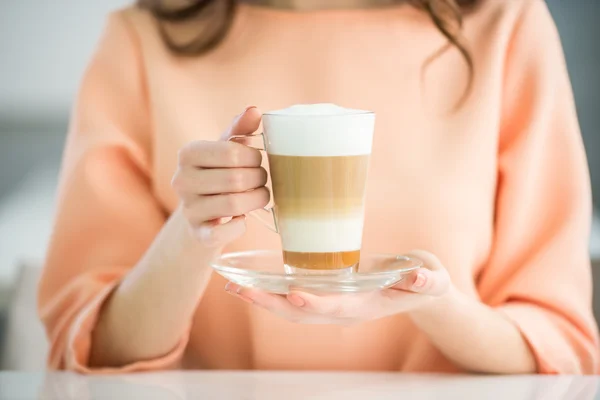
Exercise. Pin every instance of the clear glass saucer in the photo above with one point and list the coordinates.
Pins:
(264, 270)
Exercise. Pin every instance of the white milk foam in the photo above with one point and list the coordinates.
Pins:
(319, 130)
(319, 109)
(321, 235)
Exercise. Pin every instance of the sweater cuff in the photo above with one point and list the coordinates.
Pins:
(551, 349)
(80, 339)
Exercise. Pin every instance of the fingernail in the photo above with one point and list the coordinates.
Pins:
(248, 108)
(420, 281)
(237, 293)
(296, 300)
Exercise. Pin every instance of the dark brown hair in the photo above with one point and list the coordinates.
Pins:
(447, 15)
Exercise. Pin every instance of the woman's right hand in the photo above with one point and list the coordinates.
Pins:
(214, 180)
(220, 180)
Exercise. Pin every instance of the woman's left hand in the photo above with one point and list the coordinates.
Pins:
(418, 289)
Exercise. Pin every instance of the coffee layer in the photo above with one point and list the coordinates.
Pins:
(321, 261)
(318, 187)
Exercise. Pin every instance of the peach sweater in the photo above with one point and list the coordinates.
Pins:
(499, 190)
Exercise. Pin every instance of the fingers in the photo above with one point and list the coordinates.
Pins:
(192, 181)
(206, 154)
(207, 208)
(274, 303)
(338, 306)
(215, 180)
(432, 279)
(216, 234)
(284, 308)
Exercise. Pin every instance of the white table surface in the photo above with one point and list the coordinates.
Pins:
(292, 386)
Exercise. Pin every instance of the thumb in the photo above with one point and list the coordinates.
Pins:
(246, 123)
(432, 279)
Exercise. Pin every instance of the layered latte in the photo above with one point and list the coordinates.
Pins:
(319, 158)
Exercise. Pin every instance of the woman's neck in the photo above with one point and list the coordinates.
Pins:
(307, 5)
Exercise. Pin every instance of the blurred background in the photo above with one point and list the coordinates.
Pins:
(44, 48)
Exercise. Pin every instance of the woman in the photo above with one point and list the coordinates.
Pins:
(477, 160)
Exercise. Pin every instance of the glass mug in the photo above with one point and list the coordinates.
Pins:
(318, 159)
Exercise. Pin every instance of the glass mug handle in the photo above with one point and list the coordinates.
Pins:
(265, 215)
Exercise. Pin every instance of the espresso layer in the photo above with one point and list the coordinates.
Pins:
(318, 187)
(321, 261)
